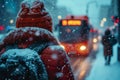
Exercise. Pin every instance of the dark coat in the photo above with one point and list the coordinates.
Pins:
(42, 41)
(108, 41)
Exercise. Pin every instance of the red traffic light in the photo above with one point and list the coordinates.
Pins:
(115, 19)
(1, 28)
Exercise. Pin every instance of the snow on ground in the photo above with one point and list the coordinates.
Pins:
(100, 71)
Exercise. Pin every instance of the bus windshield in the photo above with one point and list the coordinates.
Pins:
(70, 34)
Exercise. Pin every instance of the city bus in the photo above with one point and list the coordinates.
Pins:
(74, 35)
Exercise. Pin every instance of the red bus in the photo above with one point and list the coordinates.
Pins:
(74, 35)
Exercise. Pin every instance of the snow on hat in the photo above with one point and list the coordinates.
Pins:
(33, 13)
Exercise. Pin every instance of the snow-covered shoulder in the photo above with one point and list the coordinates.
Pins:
(29, 34)
(16, 63)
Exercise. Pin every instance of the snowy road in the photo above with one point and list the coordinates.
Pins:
(81, 66)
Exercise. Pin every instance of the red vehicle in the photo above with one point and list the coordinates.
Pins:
(74, 35)
(95, 39)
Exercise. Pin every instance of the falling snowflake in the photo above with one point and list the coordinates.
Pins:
(37, 33)
(3, 6)
(54, 56)
(30, 39)
(59, 74)
(17, 69)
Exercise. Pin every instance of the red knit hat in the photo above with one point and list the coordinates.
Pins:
(33, 14)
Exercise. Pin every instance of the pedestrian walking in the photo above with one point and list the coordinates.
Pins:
(108, 40)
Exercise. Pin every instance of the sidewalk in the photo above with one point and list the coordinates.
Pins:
(100, 71)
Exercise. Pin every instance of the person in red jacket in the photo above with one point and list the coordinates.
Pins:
(33, 31)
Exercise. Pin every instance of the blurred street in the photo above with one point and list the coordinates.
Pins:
(82, 65)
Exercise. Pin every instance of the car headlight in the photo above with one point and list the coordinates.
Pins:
(95, 40)
(62, 46)
(83, 47)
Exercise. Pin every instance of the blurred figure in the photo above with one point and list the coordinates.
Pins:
(108, 40)
(34, 27)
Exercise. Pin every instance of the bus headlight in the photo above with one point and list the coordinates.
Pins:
(95, 40)
(62, 46)
(83, 47)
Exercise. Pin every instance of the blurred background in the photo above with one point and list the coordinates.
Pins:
(98, 11)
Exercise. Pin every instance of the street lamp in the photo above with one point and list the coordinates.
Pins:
(103, 22)
(59, 17)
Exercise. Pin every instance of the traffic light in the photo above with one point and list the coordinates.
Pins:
(115, 19)
(1, 28)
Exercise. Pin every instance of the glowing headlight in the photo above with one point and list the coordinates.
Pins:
(83, 47)
(95, 40)
(62, 46)
(11, 21)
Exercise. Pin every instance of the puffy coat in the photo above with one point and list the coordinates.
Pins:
(41, 40)
(22, 64)
(108, 40)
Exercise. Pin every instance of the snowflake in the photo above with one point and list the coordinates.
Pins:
(3, 6)
(54, 56)
(59, 74)
(17, 69)
(23, 77)
(6, 2)
(109, 38)
(30, 39)
(37, 33)
(60, 32)
(73, 30)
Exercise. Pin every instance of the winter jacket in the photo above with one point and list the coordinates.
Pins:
(108, 40)
(21, 64)
(42, 41)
